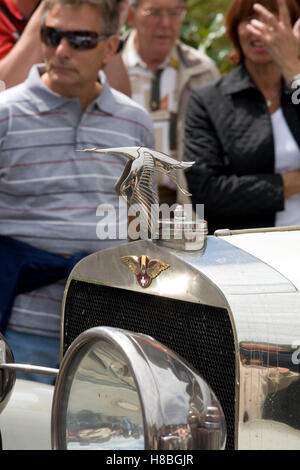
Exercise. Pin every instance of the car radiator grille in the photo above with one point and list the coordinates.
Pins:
(201, 334)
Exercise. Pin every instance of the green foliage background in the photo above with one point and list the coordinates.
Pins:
(204, 29)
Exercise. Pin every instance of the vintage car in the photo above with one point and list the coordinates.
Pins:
(183, 342)
(176, 344)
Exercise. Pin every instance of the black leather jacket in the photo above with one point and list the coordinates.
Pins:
(229, 135)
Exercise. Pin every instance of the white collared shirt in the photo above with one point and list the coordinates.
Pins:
(287, 158)
(141, 82)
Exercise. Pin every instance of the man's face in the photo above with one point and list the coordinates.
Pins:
(71, 71)
(158, 23)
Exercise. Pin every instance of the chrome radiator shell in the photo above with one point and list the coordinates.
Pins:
(264, 310)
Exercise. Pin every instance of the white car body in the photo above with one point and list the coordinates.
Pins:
(25, 423)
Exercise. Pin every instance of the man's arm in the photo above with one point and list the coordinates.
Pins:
(14, 67)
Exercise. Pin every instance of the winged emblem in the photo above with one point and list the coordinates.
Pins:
(136, 182)
(144, 268)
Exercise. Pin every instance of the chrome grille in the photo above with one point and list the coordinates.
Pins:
(201, 334)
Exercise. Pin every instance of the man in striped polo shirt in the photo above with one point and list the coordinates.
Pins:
(52, 197)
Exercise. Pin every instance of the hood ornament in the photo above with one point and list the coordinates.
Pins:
(179, 229)
(144, 268)
(136, 182)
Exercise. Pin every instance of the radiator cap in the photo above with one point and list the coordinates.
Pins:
(183, 232)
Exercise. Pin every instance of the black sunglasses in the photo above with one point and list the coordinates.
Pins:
(81, 40)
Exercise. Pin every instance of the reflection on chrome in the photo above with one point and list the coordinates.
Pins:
(104, 410)
(272, 383)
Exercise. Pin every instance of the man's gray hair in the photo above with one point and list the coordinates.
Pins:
(108, 8)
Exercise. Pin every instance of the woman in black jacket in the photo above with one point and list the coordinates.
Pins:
(243, 131)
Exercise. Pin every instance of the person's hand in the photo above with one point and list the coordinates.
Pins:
(296, 31)
(278, 35)
(291, 183)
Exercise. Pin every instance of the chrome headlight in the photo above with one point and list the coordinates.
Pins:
(120, 390)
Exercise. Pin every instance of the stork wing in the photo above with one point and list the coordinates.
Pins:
(143, 196)
(174, 179)
(162, 163)
(129, 152)
(165, 164)
(166, 161)
(134, 152)
(123, 177)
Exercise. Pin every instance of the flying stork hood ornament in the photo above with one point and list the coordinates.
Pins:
(136, 182)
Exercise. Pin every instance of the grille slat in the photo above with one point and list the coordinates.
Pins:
(201, 334)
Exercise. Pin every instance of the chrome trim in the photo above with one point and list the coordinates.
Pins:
(174, 400)
(225, 232)
(30, 368)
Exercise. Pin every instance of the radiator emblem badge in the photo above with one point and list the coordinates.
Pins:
(144, 268)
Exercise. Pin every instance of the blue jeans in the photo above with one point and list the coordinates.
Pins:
(35, 350)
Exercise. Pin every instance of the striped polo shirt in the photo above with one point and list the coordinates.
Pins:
(52, 196)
